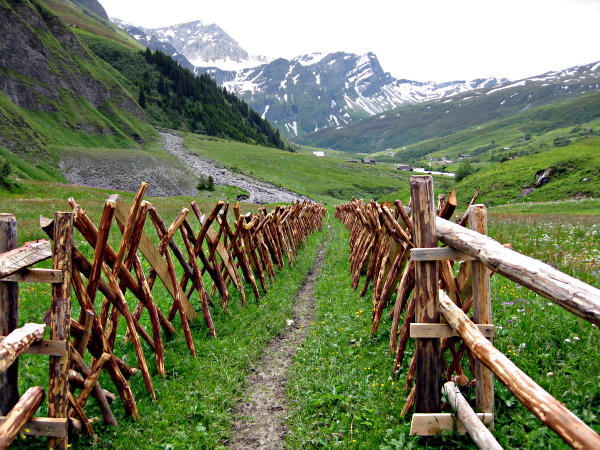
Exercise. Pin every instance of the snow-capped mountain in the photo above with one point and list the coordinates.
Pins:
(317, 91)
(203, 45)
(407, 125)
(302, 95)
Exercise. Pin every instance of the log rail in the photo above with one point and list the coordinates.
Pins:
(378, 231)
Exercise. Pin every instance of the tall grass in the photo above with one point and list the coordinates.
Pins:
(342, 387)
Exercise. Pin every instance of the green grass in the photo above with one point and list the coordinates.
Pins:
(196, 402)
(341, 387)
(329, 179)
(587, 207)
(577, 175)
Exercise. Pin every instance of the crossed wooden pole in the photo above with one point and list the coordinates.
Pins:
(221, 253)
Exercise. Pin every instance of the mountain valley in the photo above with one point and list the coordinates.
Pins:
(78, 92)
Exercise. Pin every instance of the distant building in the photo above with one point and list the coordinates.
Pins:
(367, 161)
(352, 160)
(319, 154)
(404, 167)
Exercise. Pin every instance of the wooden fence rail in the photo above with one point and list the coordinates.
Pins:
(15, 263)
(218, 252)
(396, 247)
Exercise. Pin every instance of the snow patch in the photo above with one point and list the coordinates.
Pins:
(264, 114)
(309, 60)
(517, 84)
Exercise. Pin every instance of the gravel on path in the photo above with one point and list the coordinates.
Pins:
(259, 191)
(264, 406)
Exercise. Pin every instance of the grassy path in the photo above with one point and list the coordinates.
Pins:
(196, 402)
(341, 389)
(264, 402)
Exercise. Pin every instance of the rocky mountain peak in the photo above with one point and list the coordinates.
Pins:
(303, 94)
(203, 45)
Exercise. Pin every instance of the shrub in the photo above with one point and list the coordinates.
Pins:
(464, 170)
(206, 183)
(5, 170)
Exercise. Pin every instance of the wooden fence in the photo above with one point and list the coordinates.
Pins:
(396, 248)
(240, 254)
(15, 268)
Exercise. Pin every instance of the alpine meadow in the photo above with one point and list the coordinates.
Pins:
(201, 247)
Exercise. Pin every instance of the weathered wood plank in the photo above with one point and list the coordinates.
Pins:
(22, 413)
(60, 319)
(46, 347)
(27, 255)
(438, 254)
(550, 411)
(43, 426)
(429, 424)
(35, 276)
(443, 330)
(573, 295)
(18, 341)
(482, 313)
(469, 420)
(9, 314)
(428, 354)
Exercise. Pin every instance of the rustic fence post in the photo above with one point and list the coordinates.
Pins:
(9, 315)
(428, 355)
(482, 314)
(60, 318)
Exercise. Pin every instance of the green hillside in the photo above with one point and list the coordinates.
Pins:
(520, 134)
(72, 79)
(574, 173)
(410, 124)
(330, 179)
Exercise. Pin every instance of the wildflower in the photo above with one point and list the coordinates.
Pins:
(549, 374)
(522, 346)
(568, 341)
(576, 338)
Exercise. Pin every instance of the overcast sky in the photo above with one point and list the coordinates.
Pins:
(439, 40)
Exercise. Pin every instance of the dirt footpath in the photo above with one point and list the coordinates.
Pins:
(264, 404)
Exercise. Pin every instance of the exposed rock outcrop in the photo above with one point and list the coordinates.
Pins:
(94, 6)
(544, 176)
(44, 67)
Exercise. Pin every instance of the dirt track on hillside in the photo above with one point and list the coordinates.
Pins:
(259, 192)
